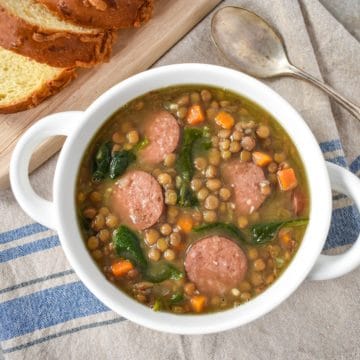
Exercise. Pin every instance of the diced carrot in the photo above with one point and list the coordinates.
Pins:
(185, 223)
(121, 267)
(287, 179)
(198, 303)
(195, 115)
(225, 120)
(261, 158)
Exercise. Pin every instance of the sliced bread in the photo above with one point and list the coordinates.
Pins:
(114, 14)
(29, 28)
(25, 82)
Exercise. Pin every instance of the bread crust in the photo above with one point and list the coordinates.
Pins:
(58, 49)
(105, 14)
(48, 89)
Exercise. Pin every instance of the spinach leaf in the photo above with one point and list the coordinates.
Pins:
(187, 198)
(259, 233)
(229, 229)
(102, 162)
(266, 232)
(203, 143)
(176, 298)
(127, 244)
(184, 163)
(114, 165)
(119, 163)
(162, 271)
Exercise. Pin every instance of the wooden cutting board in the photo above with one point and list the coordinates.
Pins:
(135, 51)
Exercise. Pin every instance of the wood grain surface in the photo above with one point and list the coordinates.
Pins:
(135, 51)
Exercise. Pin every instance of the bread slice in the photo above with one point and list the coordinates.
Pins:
(29, 28)
(106, 14)
(25, 82)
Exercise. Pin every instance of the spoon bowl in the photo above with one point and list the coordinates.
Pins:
(256, 48)
(249, 42)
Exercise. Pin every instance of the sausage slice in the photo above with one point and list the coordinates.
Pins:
(244, 179)
(215, 265)
(137, 199)
(163, 133)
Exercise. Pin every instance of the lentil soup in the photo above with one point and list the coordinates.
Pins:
(192, 199)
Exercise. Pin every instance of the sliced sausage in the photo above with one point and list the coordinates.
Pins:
(244, 179)
(137, 199)
(163, 133)
(298, 201)
(215, 265)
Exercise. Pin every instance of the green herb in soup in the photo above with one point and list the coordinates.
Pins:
(192, 199)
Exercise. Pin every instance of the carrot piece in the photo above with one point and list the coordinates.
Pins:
(225, 120)
(195, 115)
(287, 179)
(121, 267)
(185, 223)
(198, 303)
(261, 159)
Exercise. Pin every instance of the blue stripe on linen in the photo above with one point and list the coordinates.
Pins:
(21, 232)
(46, 308)
(331, 145)
(345, 227)
(30, 248)
(37, 280)
(63, 333)
(355, 165)
(339, 160)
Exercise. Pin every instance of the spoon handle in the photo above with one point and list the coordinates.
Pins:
(348, 105)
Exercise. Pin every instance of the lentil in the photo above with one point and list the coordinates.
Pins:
(104, 235)
(170, 197)
(93, 243)
(151, 236)
(263, 131)
(111, 221)
(164, 179)
(245, 156)
(169, 160)
(162, 244)
(200, 163)
(154, 254)
(202, 194)
(224, 194)
(211, 202)
(248, 143)
(166, 229)
(205, 95)
(211, 171)
(213, 184)
(209, 216)
(175, 239)
(169, 255)
(95, 196)
(132, 137)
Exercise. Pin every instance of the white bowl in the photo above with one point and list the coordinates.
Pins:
(80, 128)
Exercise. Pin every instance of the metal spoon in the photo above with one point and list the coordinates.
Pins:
(256, 48)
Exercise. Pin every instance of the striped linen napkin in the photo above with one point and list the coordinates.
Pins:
(47, 313)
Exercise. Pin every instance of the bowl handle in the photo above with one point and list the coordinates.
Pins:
(39, 209)
(333, 266)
